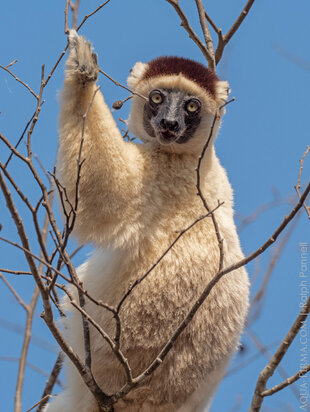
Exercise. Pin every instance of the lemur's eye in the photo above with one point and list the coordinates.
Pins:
(192, 106)
(156, 97)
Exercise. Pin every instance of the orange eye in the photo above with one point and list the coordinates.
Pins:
(156, 98)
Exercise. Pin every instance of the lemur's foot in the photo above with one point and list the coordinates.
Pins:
(82, 62)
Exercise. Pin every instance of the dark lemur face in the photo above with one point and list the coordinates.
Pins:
(171, 115)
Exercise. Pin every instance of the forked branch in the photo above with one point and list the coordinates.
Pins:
(213, 58)
(267, 372)
(191, 33)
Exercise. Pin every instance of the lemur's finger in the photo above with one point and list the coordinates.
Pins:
(73, 37)
(95, 58)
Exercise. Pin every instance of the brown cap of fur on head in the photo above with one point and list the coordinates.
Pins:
(172, 66)
(197, 72)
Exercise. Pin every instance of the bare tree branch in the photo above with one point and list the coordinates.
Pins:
(249, 360)
(206, 33)
(29, 320)
(29, 365)
(37, 112)
(269, 369)
(14, 292)
(75, 9)
(257, 301)
(124, 87)
(67, 45)
(15, 272)
(297, 187)
(224, 39)
(41, 401)
(280, 369)
(91, 14)
(51, 381)
(19, 140)
(19, 80)
(191, 33)
(287, 382)
(85, 373)
(66, 16)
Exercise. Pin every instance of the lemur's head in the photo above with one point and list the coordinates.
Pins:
(183, 97)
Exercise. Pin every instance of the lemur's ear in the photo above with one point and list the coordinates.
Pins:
(136, 74)
(222, 92)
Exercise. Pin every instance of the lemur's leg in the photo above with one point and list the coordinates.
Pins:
(110, 185)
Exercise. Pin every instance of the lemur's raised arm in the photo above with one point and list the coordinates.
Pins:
(111, 174)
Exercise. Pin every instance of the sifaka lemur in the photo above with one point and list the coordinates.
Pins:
(134, 199)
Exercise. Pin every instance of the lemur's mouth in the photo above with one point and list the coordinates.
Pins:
(168, 136)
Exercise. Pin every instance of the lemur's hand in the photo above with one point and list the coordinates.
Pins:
(82, 62)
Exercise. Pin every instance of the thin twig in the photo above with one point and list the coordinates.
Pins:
(283, 374)
(37, 112)
(190, 31)
(248, 361)
(206, 33)
(30, 309)
(115, 348)
(67, 45)
(256, 303)
(11, 64)
(79, 158)
(53, 269)
(239, 21)
(252, 217)
(24, 352)
(51, 381)
(269, 369)
(29, 365)
(20, 139)
(16, 187)
(287, 382)
(224, 39)
(76, 251)
(272, 239)
(14, 292)
(66, 16)
(121, 85)
(297, 187)
(204, 202)
(19, 80)
(20, 330)
(91, 14)
(292, 57)
(198, 186)
(212, 24)
(29, 253)
(42, 168)
(75, 9)
(15, 272)
(45, 399)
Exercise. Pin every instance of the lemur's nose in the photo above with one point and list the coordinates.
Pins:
(171, 125)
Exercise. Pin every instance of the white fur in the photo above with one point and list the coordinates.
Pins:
(134, 200)
(136, 74)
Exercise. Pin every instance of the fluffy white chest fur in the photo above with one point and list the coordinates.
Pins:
(134, 201)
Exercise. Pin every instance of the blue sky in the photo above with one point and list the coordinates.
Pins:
(264, 134)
